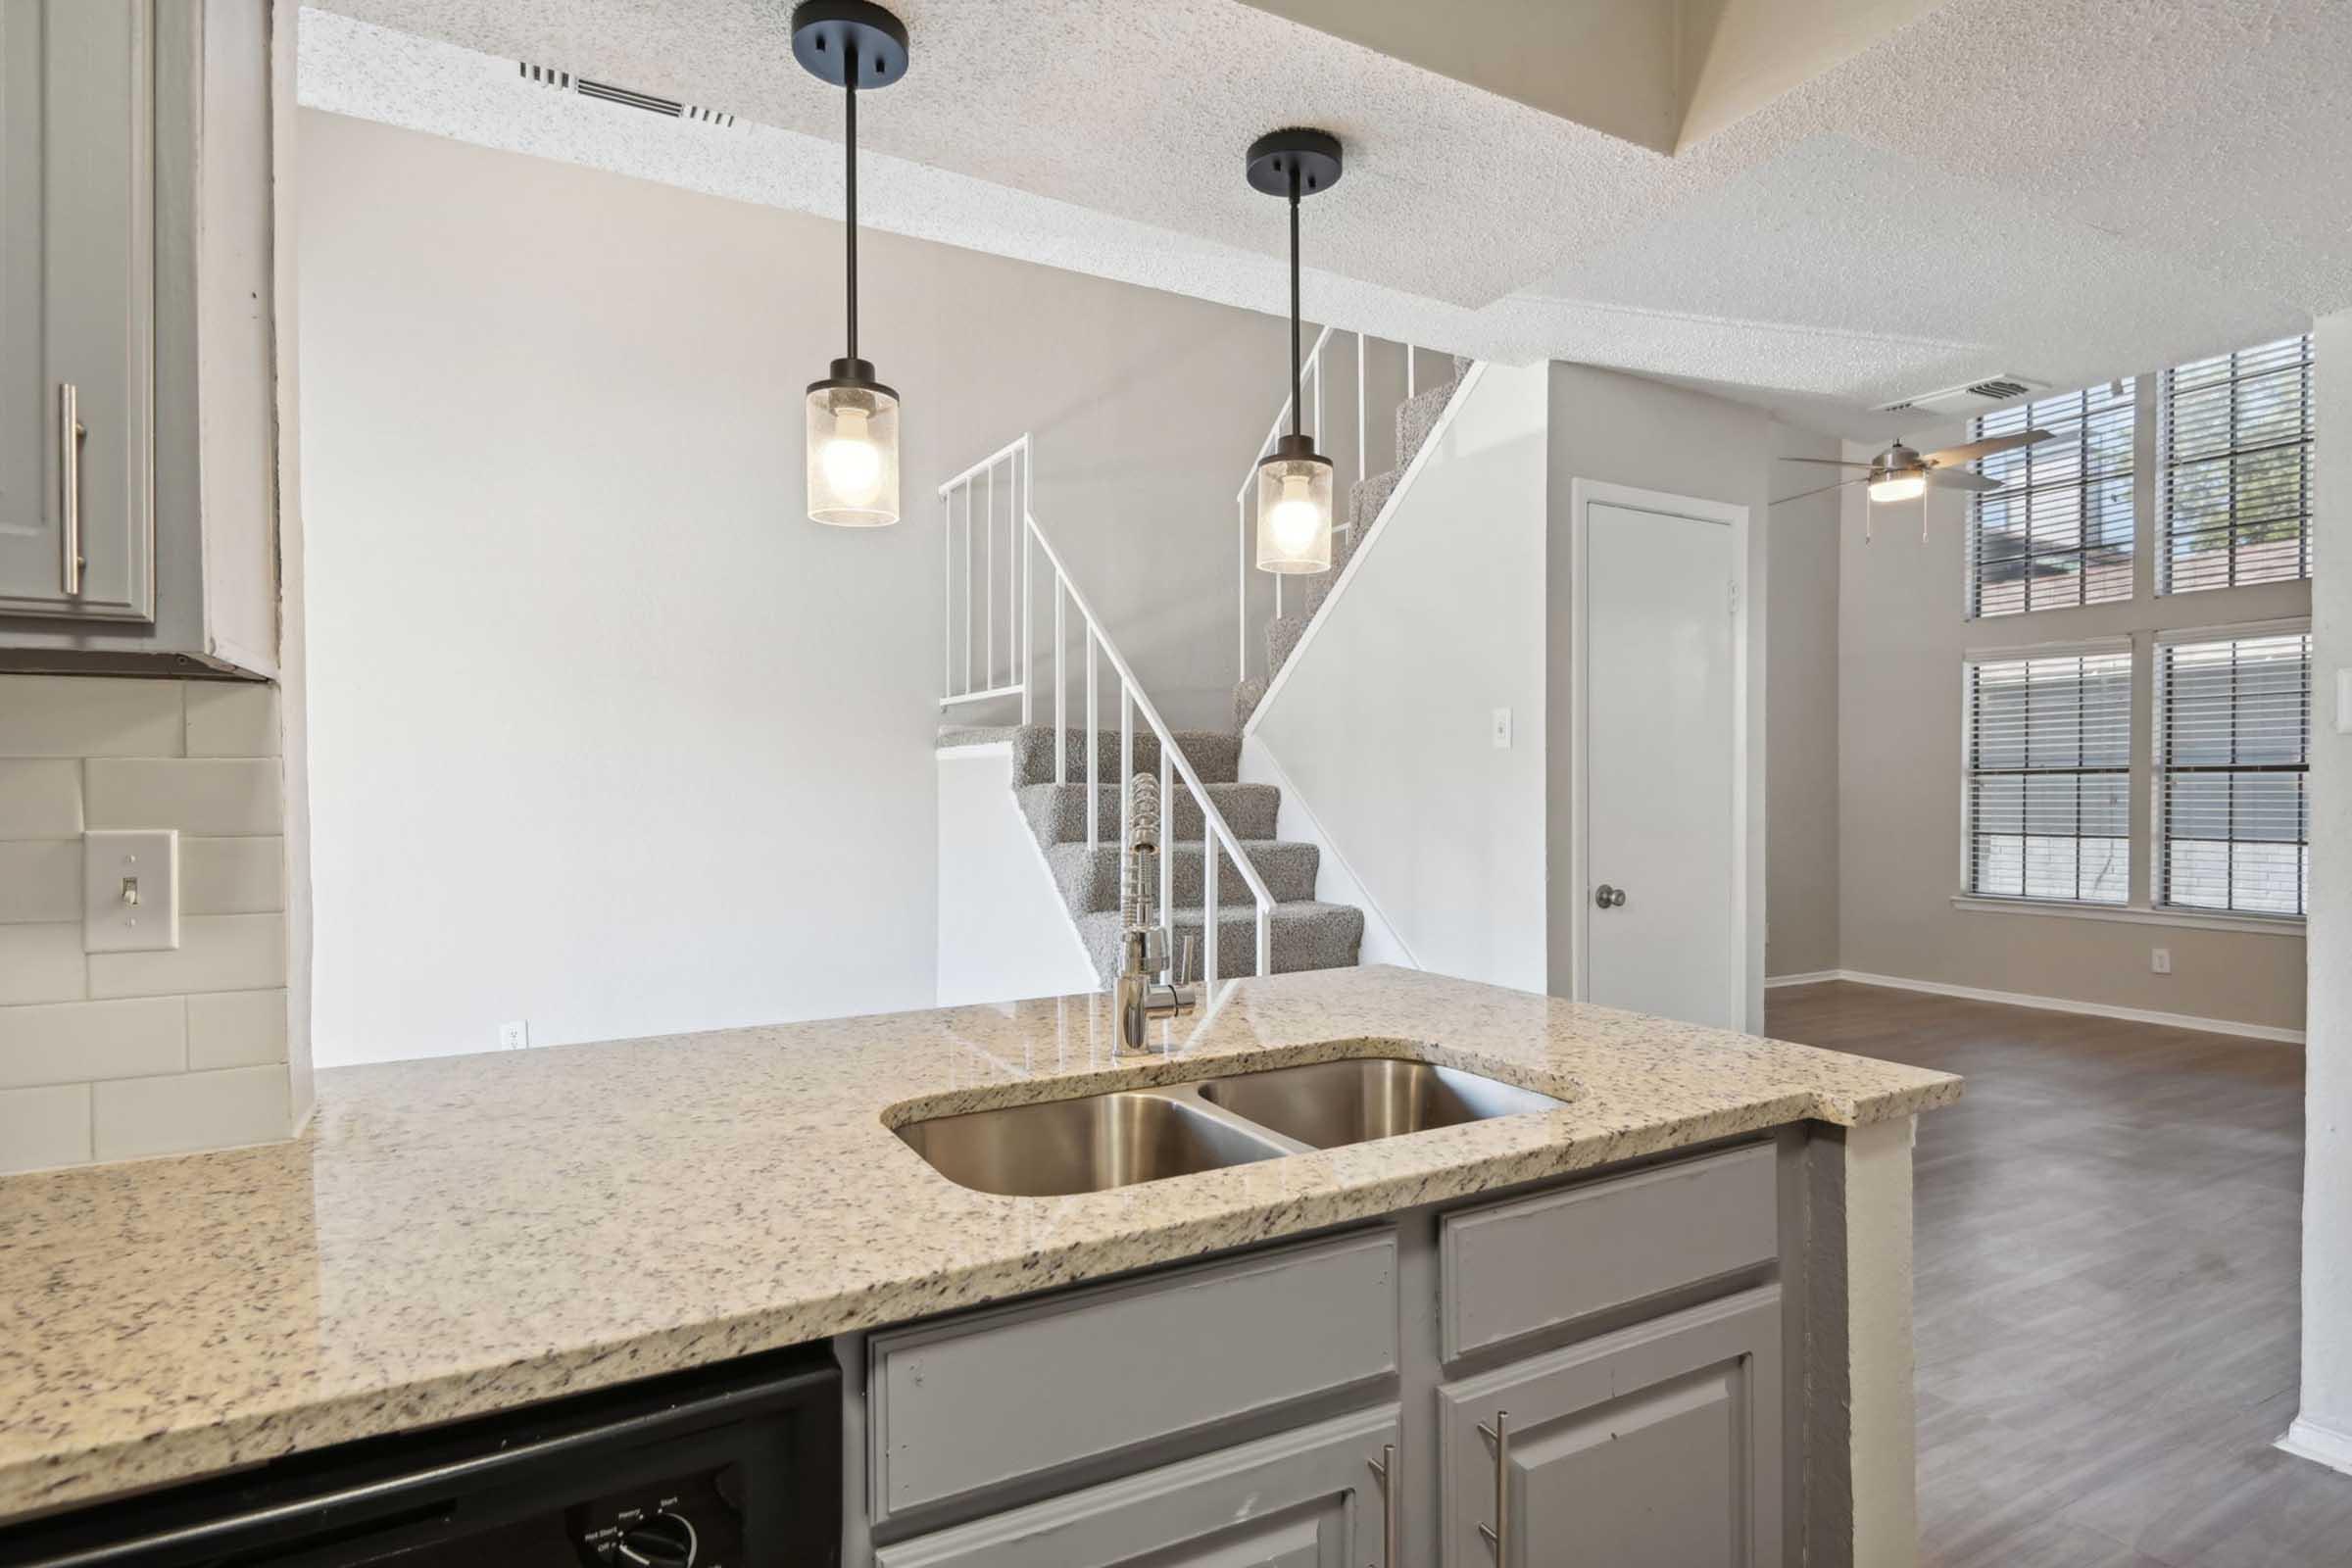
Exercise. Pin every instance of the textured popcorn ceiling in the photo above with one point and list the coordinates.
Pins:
(2064, 189)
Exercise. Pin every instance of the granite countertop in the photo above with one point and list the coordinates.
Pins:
(463, 1234)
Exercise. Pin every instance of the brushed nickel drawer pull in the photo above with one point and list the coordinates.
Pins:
(1499, 1537)
(70, 432)
(1385, 1467)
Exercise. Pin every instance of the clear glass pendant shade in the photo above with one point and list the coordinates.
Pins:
(852, 455)
(1294, 513)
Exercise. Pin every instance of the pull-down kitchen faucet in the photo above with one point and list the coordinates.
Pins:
(1144, 991)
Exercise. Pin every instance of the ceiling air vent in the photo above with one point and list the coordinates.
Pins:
(626, 97)
(1973, 398)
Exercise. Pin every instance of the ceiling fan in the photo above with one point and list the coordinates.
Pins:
(1900, 474)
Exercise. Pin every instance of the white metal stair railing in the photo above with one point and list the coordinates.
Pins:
(1007, 469)
(1309, 378)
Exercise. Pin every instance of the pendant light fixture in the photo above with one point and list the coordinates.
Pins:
(852, 452)
(1294, 481)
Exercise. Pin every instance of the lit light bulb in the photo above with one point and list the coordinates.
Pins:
(853, 462)
(1296, 521)
(1898, 487)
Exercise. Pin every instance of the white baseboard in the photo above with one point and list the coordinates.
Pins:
(2308, 1440)
(2017, 999)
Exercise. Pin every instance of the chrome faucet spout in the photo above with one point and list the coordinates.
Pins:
(1144, 991)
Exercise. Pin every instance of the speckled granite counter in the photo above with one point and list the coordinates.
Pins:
(460, 1235)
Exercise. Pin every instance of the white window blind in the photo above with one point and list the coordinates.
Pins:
(2059, 532)
(2236, 468)
(2049, 777)
(2232, 751)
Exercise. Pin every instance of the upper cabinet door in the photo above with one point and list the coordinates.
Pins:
(1658, 1446)
(76, 309)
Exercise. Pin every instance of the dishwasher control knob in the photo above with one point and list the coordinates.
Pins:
(658, 1540)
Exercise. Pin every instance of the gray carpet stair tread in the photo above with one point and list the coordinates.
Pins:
(1215, 755)
(1090, 880)
(1304, 935)
(1056, 813)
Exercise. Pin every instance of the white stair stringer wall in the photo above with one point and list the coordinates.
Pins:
(1336, 881)
(1004, 933)
(1379, 726)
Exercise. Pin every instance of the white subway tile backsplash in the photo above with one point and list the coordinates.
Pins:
(117, 1055)
(214, 795)
(236, 1029)
(133, 1118)
(40, 879)
(42, 963)
(44, 1127)
(231, 876)
(69, 1041)
(216, 953)
(82, 715)
(40, 799)
(232, 718)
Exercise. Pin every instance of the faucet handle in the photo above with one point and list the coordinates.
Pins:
(1184, 967)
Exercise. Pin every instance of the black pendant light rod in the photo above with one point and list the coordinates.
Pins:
(1296, 378)
(850, 143)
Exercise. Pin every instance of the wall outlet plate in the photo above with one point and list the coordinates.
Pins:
(2160, 961)
(130, 890)
(514, 1036)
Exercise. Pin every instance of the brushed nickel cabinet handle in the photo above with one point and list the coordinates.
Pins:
(1499, 1537)
(1385, 1467)
(70, 432)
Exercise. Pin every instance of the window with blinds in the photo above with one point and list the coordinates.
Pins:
(2059, 532)
(2049, 777)
(2235, 433)
(2232, 751)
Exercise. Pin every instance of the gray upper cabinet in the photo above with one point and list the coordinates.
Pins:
(1658, 1446)
(1311, 1499)
(138, 385)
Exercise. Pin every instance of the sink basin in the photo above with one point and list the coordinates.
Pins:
(1082, 1145)
(1327, 1103)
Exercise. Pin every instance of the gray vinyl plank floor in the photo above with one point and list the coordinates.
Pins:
(2108, 1238)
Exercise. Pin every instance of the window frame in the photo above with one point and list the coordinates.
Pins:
(1970, 893)
(2167, 466)
(2159, 839)
(1971, 546)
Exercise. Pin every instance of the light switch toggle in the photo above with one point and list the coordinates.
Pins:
(130, 890)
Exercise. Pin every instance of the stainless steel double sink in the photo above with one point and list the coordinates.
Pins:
(1093, 1144)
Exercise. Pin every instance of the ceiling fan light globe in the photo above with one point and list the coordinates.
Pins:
(1894, 487)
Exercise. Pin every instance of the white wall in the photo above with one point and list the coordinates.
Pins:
(603, 734)
(1381, 720)
(1005, 932)
(2323, 1428)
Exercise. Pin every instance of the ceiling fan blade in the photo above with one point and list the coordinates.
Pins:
(1820, 489)
(1960, 479)
(1833, 463)
(1972, 451)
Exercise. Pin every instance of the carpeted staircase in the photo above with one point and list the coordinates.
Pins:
(1416, 417)
(1307, 934)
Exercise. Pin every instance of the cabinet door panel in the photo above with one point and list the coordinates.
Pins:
(76, 304)
(1658, 1446)
(1303, 1500)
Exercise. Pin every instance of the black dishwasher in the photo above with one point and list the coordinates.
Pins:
(733, 1467)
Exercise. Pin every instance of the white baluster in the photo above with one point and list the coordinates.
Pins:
(1209, 902)
(1028, 618)
(1061, 688)
(967, 588)
(1359, 420)
(988, 675)
(1168, 841)
(1093, 750)
(1126, 738)
(1265, 941)
(947, 593)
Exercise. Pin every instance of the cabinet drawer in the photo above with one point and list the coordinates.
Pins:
(1308, 1498)
(1535, 1263)
(958, 1407)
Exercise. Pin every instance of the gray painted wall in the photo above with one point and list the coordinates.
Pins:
(604, 733)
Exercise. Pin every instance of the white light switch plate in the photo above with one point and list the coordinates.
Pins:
(114, 864)
(1502, 729)
(2343, 701)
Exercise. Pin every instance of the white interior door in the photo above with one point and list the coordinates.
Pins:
(1662, 759)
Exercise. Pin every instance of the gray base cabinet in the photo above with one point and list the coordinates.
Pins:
(1311, 1499)
(1587, 1372)
(1657, 1446)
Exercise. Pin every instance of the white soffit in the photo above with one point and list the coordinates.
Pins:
(2068, 189)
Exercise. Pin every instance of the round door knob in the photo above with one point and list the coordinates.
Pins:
(1609, 898)
(658, 1540)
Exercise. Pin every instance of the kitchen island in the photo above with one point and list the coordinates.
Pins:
(463, 1234)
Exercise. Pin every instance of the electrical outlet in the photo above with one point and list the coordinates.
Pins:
(2160, 961)
(515, 1036)
(1502, 729)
